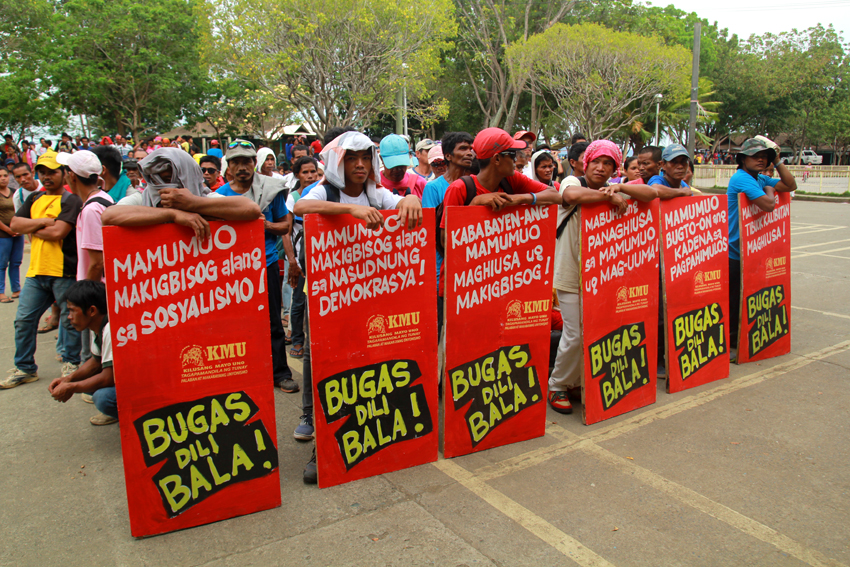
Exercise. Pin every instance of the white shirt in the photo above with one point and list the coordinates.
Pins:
(105, 351)
(385, 198)
(22, 195)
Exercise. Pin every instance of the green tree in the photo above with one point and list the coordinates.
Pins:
(600, 80)
(136, 62)
(486, 29)
(338, 62)
(27, 99)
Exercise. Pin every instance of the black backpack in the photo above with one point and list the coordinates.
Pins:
(99, 201)
(471, 191)
(564, 222)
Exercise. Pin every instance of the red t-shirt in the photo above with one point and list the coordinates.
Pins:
(410, 181)
(317, 146)
(456, 197)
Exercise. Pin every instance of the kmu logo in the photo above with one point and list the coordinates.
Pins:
(514, 309)
(775, 263)
(629, 293)
(403, 320)
(192, 356)
(376, 324)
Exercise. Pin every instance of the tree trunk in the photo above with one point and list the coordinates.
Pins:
(535, 115)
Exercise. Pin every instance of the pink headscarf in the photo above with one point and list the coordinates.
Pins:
(603, 148)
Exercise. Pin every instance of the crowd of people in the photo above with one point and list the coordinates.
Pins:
(64, 195)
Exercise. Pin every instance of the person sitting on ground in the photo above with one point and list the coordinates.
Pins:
(395, 154)
(95, 378)
(349, 187)
(189, 204)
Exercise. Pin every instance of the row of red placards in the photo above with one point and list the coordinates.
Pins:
(191, 340)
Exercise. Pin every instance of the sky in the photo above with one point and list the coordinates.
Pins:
(746, 17)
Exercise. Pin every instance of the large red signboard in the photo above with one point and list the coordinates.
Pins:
(765, 320)
(192, 359)
(695, 265)
(497, 315)
(619, 304)
(373, 341)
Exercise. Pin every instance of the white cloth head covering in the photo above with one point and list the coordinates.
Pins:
(185, 172)
(262, 154)
(534, 157)
(333, 156)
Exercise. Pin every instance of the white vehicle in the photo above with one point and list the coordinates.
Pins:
(809, 157)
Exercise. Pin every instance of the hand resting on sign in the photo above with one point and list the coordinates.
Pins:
(496, 201)
(410, 210)
(374, 219)
(194, 221)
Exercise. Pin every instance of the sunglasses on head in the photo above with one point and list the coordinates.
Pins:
(439, 163)
(240, 143)
(209, 170)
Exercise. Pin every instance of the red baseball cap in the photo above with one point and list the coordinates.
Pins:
(492, 141)
(523, 133)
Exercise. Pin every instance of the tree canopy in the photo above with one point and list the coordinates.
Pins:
(549, 67)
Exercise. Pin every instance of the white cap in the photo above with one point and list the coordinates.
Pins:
(84, 163)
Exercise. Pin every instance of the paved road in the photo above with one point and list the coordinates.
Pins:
(752, 470)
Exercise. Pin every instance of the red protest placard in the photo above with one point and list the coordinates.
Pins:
(373, 341)
(498, 310)
(619, 306)
(765, 320)
(695, 264)
(192, 360)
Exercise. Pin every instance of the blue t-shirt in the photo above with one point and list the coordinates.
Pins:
(434, 192)
(753, 188)
(661, 180)
(215, 152)
(432, 197)
(277, 210)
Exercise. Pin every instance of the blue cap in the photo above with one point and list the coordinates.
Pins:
(673, 151)
(395, 151)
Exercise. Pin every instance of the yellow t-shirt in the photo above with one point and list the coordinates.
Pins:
(48, 258)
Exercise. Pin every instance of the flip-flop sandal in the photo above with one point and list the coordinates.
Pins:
(297, 352)
(47, 329)
(5, 299)
(16, 295)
